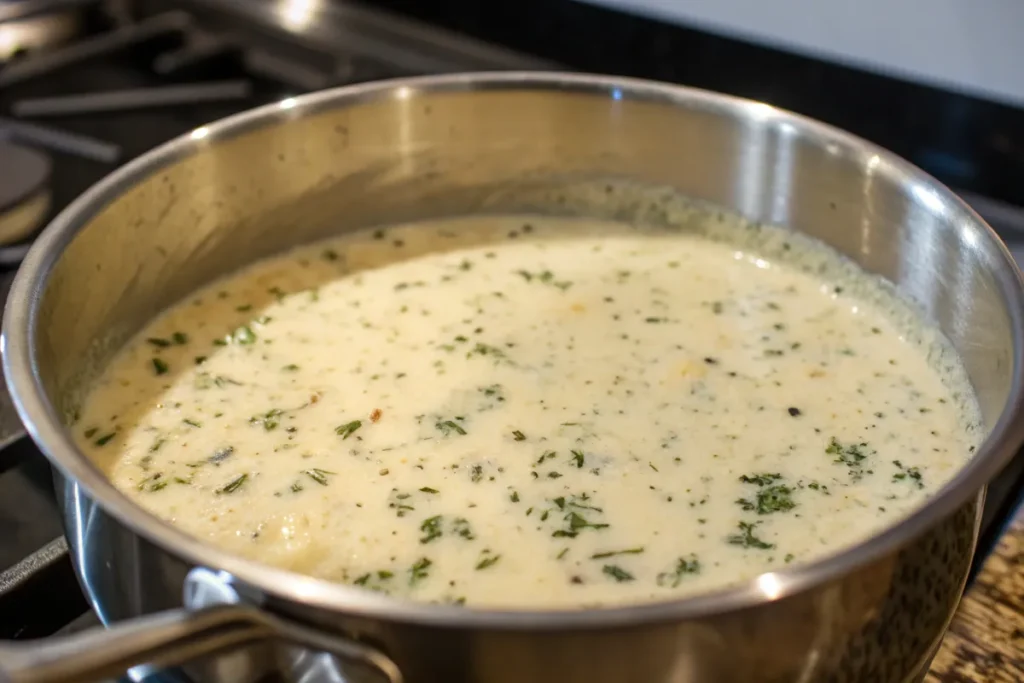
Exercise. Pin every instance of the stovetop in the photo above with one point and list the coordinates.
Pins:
(206, 59)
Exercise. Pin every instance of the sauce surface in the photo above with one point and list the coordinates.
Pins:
(528, 413)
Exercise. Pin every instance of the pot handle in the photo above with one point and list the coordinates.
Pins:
(168, 638)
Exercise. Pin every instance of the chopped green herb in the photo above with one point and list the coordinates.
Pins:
(613, 553)
(546, 455)
(105, 439)
(494, 390)
(577, 523)
(618, 573)
(747, 539)
(427, 489)
(234, 484)
(160, 367)
(158, 342)
(684, 566)
(852, 455)
(488, 561)
(179, 338)
(487, 350)
(460, 527)
(192, 423)
(911, 473)
(153, 483)
(760, 479)
(399, 503)
(348, 429)
(577, 458)
(419, 570)
(91, 432)
(518, 435)
(770, 497)
(546, 277)
(221, 454)
(477, 473)
(431, 528)
(318, 475)
(268, 420)
(514, 497)
(446, 427)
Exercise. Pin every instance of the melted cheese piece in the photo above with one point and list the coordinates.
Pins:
(568, 418)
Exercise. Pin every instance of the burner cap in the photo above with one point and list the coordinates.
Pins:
(24, 192)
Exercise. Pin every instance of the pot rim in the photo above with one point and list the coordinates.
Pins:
(44, 425)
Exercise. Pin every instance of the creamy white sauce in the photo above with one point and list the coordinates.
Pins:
(529, 413)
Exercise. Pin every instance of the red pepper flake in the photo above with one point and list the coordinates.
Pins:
(375, 415)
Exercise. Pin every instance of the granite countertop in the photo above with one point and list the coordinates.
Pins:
(985, 643)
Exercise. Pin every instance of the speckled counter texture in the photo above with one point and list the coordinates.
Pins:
(985, 643)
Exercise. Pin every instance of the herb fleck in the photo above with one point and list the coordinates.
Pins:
(219, 456)
(684, 566)
(488, 561)
(234, 484)
(317, 475)
(577, 458)
(911, 473)
(852, 455)
(618, 573)
(419, 570)
(747, 539)
(770, 497)
(460, 527)
(348, 429)
(105, 439)
(431, 528)
(613, 553)
(446, 427)
(268, 420)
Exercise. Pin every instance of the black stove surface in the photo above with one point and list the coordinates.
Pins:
(259, 55)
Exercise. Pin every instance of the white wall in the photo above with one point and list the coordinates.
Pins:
(976, 46)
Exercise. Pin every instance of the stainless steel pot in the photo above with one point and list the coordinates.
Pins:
(379, 153)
